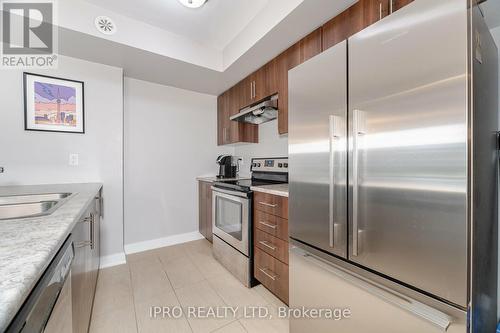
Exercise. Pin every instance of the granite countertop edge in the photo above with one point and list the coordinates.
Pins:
(279, 189)
(28, 245)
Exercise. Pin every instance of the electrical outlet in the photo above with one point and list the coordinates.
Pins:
(73, 159)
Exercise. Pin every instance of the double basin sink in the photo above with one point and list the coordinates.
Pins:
(31, 205)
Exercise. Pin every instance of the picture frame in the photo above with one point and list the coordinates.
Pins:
(53, 104)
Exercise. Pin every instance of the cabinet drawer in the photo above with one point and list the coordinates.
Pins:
(272, 245)
(271, 224)
(271, 204)
(272, 273)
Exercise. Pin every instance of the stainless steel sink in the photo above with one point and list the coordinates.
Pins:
(30, 198)
(16, 211)
(32, 205)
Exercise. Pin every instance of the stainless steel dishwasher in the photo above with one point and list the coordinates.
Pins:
(48, 308)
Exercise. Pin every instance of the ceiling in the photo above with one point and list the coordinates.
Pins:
(216, 24)
(147, 54)
(491, 10)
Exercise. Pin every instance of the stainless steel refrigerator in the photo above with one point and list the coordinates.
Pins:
(393, 175)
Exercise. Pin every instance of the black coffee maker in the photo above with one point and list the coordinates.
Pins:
(226, 167)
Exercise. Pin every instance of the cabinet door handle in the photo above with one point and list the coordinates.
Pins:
(267, 204)
(86, 220)
(380, 10)
(273, 248)
(273, 226)
(100, 202)
(92, 230)
(271, 276)
(391, 6)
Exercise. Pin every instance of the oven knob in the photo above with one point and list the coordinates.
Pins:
(254, 164)
(280, 165)
(286, 165)
(258, 165)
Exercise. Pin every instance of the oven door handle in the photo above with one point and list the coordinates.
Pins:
(235, 193)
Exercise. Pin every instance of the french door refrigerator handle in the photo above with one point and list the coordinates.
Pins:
(358, 130)
(334, 122)
(437, 318)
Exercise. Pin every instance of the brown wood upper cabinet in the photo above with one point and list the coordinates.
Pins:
(229, 131)
(273, 77)
(257, 86)
(398, 4)
(354, 19)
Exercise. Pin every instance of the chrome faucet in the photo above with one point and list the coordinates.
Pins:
(2, 169)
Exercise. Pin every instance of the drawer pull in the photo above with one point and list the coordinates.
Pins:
(264, 271)
(268, 204)
(273, 226)
(267, 245)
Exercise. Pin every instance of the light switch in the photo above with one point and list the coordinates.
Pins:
(73, 159)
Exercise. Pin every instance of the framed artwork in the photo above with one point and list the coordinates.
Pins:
(53, 104)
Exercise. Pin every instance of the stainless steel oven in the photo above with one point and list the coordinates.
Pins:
(232, 215)
(231, 218)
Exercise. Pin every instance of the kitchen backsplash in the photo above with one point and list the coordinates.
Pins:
(271, 144)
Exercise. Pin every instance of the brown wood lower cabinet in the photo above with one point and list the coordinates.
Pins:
(271, 245)
(85, 265)
(270, 228)
(205, 209)
(271, 224)
(272, 273)
(271, 204)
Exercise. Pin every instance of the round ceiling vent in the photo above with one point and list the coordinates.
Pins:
(105, 25)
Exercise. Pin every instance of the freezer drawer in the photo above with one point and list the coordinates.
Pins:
(316, 283)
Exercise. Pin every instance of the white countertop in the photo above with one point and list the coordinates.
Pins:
(28, 245)
(278, 189)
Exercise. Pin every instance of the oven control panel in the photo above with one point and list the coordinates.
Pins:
(270, 165)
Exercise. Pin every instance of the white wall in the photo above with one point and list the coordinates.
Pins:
(271, 144)
(170, 139)
(42, 157)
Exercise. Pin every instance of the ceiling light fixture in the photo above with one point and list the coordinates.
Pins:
(193, 3)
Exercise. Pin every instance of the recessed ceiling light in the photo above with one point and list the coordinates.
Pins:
(193, 3)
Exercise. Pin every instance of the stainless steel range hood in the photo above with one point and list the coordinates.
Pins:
(260, 113)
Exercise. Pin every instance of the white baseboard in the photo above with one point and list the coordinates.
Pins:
(113, 260)
(162, 242)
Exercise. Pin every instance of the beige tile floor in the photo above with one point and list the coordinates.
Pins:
(184, 275)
